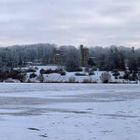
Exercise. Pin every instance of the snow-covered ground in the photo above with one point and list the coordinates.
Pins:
(69, 111)
(83, 76)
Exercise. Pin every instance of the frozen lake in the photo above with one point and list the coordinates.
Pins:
(69, 112)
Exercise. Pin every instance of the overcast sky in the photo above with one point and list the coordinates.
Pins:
(90, 22)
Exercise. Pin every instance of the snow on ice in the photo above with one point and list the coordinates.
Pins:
(69, 111)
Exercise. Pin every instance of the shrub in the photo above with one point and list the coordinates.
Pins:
(30, 70)
(80, 74)
(139, 75)
(116, 77)
(63, 73)
(72, 79)
(105, 77)
(33, 75)
(91, 73)
(42, 71)
(14, 74)
(40, 78)
(126, 75)
(86, 81)
(74, 69)
(121, 77)
(133, 76)
(49, 71)
(94, 69)
(86, 69)
(116, 73)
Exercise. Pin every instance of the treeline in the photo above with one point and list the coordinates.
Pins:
(116, 57)
(108, 58)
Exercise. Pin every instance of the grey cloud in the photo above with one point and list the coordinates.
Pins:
(92, 22)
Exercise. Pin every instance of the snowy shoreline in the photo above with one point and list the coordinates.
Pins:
(126, 82)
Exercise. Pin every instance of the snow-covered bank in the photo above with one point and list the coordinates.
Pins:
(69, 111)
(55, 74)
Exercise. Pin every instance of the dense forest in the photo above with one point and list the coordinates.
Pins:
(103, 58)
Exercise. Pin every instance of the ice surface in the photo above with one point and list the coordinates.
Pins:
(69, 111)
